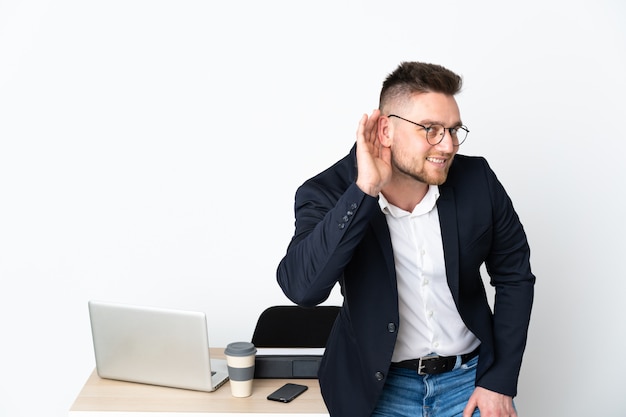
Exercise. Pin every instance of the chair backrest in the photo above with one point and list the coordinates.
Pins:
(294, 326)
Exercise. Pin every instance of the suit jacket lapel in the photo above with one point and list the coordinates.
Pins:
(446, 206)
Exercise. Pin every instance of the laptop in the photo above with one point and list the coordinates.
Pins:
(154, 346)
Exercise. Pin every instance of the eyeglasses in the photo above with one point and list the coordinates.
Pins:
(435, 133)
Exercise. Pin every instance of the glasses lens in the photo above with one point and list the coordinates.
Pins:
(437, 132)
(461, 134)
(434, 134)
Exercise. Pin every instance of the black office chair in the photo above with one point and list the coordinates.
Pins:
(294, 326)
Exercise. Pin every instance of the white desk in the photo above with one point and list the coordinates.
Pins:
(107, 398)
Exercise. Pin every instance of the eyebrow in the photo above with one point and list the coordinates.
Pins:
(428, 122)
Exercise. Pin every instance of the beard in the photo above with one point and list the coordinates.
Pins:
(417, 169)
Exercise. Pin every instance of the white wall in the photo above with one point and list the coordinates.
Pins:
(150, 150)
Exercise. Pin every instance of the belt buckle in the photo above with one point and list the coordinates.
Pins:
(420, 363)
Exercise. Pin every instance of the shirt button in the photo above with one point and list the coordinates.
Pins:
(391, 327)
(430, 314)
(379, 376)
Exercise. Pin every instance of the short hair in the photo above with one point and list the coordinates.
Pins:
(411, 78)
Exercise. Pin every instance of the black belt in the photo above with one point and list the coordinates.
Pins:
(433, 364)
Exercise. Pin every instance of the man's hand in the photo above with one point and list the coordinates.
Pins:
(490, 404)
(373, 159)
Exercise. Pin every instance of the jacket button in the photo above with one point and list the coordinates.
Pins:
(379, 376)
(391, 327)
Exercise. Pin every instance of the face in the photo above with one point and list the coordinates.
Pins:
(412, 157)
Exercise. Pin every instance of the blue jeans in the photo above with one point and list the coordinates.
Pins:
(407, 394)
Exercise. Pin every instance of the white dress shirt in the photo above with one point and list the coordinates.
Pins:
(429, 320)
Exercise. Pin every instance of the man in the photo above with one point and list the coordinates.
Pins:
(403, 224)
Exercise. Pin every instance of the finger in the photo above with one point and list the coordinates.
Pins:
(469, 408)
(372, 123)
(374, 116)
(368, 128)
(360, 132)
(385, 154)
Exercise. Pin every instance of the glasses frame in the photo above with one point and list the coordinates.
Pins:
(428, 128)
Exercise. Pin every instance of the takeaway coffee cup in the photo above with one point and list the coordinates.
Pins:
(240, 358)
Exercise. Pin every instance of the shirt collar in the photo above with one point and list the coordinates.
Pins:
(427, 204)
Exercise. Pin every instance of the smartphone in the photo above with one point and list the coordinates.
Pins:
(287, 392)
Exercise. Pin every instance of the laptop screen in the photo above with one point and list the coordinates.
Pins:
(152, 345)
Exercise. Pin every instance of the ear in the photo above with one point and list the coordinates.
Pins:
(385, 131)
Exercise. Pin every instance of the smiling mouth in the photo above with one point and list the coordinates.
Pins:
(436, 160)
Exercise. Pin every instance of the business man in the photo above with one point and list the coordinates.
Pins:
(403, 224)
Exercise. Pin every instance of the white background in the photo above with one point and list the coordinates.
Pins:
(150, 151)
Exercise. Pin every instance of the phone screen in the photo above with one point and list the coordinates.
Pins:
(287, 392)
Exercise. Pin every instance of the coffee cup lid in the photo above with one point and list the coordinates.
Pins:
(240, 349)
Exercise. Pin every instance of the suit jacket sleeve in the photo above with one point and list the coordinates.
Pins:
(330, 223)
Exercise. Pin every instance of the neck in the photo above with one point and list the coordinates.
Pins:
(405, 193)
